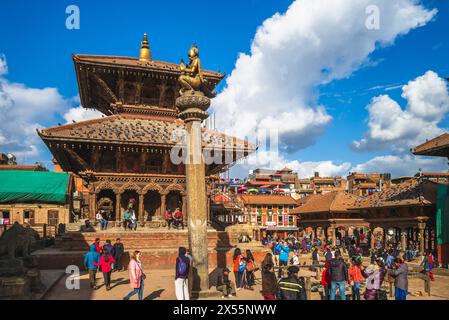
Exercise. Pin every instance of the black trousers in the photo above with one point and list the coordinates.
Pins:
(107, 278)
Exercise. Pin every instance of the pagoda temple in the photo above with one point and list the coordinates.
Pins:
(128, 153)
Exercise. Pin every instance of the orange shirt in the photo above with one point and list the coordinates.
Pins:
(355, 274)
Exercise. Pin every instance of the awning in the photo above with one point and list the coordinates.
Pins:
(33, 186)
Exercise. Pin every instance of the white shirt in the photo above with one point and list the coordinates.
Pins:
(99, 216)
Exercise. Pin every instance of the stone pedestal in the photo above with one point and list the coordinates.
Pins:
(193, 106)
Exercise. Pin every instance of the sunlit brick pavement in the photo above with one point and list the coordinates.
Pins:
(160, 286)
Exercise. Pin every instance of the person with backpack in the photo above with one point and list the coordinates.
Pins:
(225, 285)
(136, 276)
(237, 263)
(182, 275)
(105, 264)
(283, 257)
(250, 269)
(90, 260)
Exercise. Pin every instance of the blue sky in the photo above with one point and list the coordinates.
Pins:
(38, 47)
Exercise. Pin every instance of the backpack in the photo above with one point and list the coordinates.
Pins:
(242, 266)
(182, 267)
(250, 267)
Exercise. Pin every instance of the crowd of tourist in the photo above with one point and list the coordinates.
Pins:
(279, 270)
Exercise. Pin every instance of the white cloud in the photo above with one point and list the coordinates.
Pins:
(24, 109)
(405, 165)
(81, 114)
(397, 129)
(314, 42)
(273, 160)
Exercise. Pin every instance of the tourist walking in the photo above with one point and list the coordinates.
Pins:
(427, 265)
(269, 281)
(237, 261)
(250, 269)
(276, 248)
(98, 248)
(225, 285)
(375, 275)
(400, 274)
(106, 262)
(326, 281)
(117, 252)
(338, 272)
(108, 246)
(182, 275)
(136, 276)
(356, 277)
(283, 257)
(292, 287)
(90, 260)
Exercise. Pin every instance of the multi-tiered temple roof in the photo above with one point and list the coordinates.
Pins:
(138, 98)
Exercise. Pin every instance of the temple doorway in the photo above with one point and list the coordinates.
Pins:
(152, 206)
(133, 197)
(106, 202)
(173, 201)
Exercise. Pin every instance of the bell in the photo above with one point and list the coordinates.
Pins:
(145, 54)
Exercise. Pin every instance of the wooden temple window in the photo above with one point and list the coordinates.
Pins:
(130, 93)
(133, 163)
(153, 164)
(169, 99)
(150, 95)
(53, 217)
(107, 161)
(5, 217)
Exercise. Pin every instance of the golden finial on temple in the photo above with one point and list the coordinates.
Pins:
(145, 53)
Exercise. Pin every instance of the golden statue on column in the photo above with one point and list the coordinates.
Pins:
(191, 78)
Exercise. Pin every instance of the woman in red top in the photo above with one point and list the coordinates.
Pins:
(236, 261)
(326, 280)
(105, 264)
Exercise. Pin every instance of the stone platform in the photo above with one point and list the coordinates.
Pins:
(159, 247)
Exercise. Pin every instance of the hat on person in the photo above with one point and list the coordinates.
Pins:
(226, 270)
(293, 269)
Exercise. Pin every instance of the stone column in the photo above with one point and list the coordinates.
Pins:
(193, 106)
(92, 209)
(422, 227)
(404, 239)
(184, 209)
(118, 207)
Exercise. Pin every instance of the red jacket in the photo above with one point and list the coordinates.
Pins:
(325, 277)
(97, 247)
(105, 266)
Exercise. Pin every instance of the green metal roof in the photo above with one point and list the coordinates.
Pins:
(33, 187)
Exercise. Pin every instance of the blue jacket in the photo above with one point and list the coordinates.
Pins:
(91, 257)
(284, 253)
